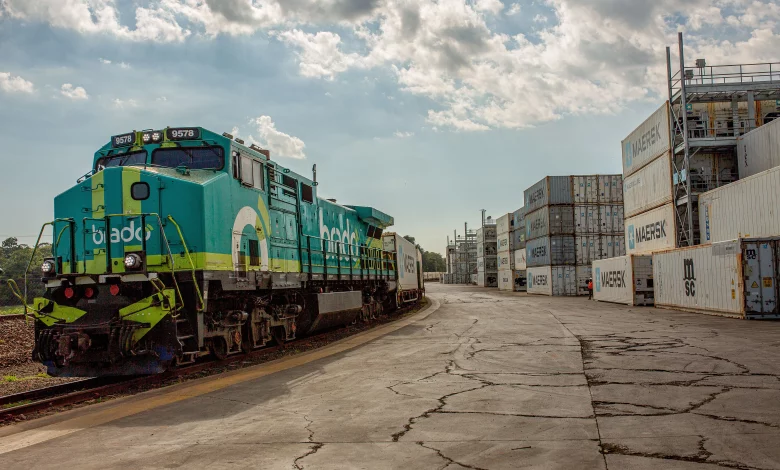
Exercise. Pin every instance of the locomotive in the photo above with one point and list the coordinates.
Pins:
(182, 243)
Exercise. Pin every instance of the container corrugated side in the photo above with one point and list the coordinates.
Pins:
(520, 259)
(549, 220)
(552, 280)
(407, 259)
(624, 280)
(647, 141)
(759, 149)
(506, 260)
(651, 231)
(610, 189)
(586, 219)
(705, 278)
(506, 280)
(549, 190)
(745, 208)
(649, 187)
(551, 250)
(503, 224)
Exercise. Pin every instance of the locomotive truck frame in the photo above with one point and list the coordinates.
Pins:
(181, 243)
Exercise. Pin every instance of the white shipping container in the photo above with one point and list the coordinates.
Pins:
(503, 224)
(505, 242)
(649, 187)
(487, 279)
(520, 280)
(611, 218)
(585, 189)
(487, 263)
(624, 280)
(586, 219)
(518, 219)
(520, 259)
(552, 280)
(759, 149)
(745, 208)
(654, 230)
(583, 274)
(506, 280)
(647, 141)
(518, 237)
(486, 234)
(610, 189)
(593, 247)
(406, 252)
(506, 260)
(549, 220)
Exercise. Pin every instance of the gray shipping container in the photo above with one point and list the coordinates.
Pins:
(552, 280)
(549, 220)
(518, 219)
(593, 247)
(597, 189)
(549, 191)
(543, 251)
(518, 238)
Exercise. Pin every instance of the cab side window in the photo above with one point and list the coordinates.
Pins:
(248, 171)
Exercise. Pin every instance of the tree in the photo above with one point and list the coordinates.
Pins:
(13, 262)
(433, 262)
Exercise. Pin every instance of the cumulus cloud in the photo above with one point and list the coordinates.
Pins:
(514, 9)
(124, 104)
(15, 84)
(75, 93)
(403, 135)
(319, 53)
(276, 141)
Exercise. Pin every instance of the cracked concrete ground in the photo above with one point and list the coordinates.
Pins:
(491, 380)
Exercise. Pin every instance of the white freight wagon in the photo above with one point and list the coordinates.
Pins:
(759, 149)
(647, 142)
(624, 280)
(410, 283)
(649, 187)
(552, 280)
(735, 278)
(520, 259)
(748, 208)
(651, 231)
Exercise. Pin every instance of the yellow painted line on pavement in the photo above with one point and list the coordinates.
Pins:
(89, 417)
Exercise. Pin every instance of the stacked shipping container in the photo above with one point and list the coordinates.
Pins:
(505, 248)
(571, 221)
(487, 261)
(518, 236)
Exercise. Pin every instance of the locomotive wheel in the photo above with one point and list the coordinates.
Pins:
(219, 348)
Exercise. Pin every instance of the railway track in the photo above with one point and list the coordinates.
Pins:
(34, 401)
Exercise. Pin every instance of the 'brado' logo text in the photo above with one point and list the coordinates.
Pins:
(125, 234)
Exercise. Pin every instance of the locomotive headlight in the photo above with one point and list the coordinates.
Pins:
(47, 267)
(132, 261)
(146, 137)
(156, 137)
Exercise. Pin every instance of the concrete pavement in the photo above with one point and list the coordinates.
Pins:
(489, 380)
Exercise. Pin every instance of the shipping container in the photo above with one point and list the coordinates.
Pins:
(585, 189)
(549, 220)
(611, 189)
(611, 218)
(486, 249)
(759, 149)
(520, 280)
(486, 234)
(518, 219)
(586, 219)
(549, 191)
(583, 273)
(649, 187)
(506, 260)
(747, 208)
(736, 278)
(624, 280)
(408, 268)
(488, 263)
(552, 280)
(503, 224)
(487, 279)
(559, 249)
(505, 242)
(506, 280)
(646, 142)
(651, 231)
(593, 247)
(518, 238)
(520, 259)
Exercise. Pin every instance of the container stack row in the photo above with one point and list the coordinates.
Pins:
(487, 259)
(570, 222)
(518, 238)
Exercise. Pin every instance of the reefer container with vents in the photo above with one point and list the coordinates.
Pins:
(506, 280)
(409, 266)
(506, 260)
(518, 237)
(649, 187)
(651, 231)
(585, 189)
(610, 189)
(549, 220)
(505, 242)
(736, 278)
(552, 280)
(486, 234)
(559, 249)
(624, 280)
(593, 247)
(550, 190)
(487, 279)
(503, 224)
(520, 259)
(759, 149)
(518, 218)
(647, 141)
(747, 208)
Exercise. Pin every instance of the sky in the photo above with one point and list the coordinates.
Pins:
(427, 110)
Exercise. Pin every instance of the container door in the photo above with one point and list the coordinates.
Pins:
(759, 274)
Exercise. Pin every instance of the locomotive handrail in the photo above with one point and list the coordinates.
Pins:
(71, 223)
(383, 263)
(192, 264)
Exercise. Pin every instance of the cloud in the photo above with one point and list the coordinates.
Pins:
(490, 6)
(124, 104)
(319, 53)
(403, 135)
(514, 9)
(122, 65)
(75, 93)
(276, 141)
(15, 84)
(105, 61)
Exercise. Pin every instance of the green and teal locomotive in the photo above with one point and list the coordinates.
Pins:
(181, 243)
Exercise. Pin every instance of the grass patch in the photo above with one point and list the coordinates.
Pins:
(11, 309)
(11, 378)
(18, 403)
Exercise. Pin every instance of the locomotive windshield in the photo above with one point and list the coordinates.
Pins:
(194, 158)
(125, 159)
